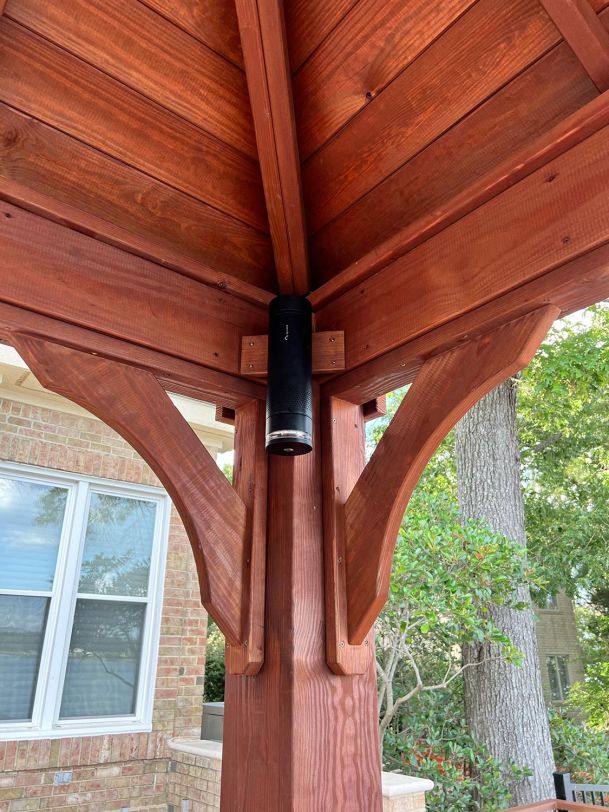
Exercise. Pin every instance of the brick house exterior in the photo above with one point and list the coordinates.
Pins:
(124, 770)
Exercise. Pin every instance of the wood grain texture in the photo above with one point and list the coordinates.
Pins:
(552, 216)
(573, 286)
(551, 806)
(212, 22)
(224, 414)
(134, 404)
(266, 64)
(63, 179)
(482, 51)
(297, 736)
(375, 408)
(53, 270)
(174, 374)
(128, 41)
(250, 482)
(47, 83)
(533, 104)
(368, 48)
(446, 387)
(343, 460)
(328, 353)
(308, 22)
(578, 23)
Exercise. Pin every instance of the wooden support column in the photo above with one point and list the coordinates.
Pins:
(298, 738)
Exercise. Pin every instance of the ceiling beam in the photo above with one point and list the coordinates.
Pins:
(574, 285)
(555, 215)
(565, 135)
(263, 39)
(50, 269)
(584, 32)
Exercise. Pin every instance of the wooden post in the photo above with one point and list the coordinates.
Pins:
(298, 738)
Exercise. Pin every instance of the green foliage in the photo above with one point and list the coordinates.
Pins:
(434, 743)
(590, 698)
(214, 664)
(563, 414)
(579, 750)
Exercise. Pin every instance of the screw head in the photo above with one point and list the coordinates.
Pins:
(342, 643)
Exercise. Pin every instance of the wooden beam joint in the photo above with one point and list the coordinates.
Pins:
(328, 354)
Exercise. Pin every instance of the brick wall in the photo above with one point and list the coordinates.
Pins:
(116, 771)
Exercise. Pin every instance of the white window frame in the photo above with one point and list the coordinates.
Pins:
(45, 722)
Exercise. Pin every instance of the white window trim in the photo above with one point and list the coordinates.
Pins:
(45, 724)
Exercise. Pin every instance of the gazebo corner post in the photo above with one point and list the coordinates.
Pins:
(298, 737)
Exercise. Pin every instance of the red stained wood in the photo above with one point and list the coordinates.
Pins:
(47, 83)
(573, 286)
(482, 51)
(444, 390)
(135, 45)
(213, 22)
(328, 354)
(56, 271)
(375, 408)
(551, 806)
(427, 187)
(374, 42)
(297, 736)
(266, 64)
(174, 374)
(135, 405)
(308, 22)
(224, 414)
(554, 215)
(64, 180)
(343, 460)
(250, 481)
(578, 23)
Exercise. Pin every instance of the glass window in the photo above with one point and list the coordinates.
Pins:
(80, 581)
(558, 675)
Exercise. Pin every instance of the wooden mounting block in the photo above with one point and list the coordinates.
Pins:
(328, 350)
(363, 514)
(225, 526)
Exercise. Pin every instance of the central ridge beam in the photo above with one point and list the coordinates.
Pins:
(262, 29)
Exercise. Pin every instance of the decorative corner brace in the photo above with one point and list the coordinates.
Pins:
(365, 521)
(224, 526)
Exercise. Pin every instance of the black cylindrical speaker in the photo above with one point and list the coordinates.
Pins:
(289, 420)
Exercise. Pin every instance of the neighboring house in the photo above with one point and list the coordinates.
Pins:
(560, 654)
(102, 633)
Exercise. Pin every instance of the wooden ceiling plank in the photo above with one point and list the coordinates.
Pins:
(60, 177)
(573, 286)
(53, 270)
(483, 50)
(580, 26)
(212, 22)
(266, 64)
(308, 23)
(136, 46)
(565, 135)
(47, 83)
(552, 216)
(536, 101)
(371, 45)
(175, 374)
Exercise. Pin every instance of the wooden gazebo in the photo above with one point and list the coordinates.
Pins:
(433, 175)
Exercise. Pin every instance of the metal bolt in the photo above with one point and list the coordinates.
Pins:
(333, 363)
(251, 366)
(342, 643)
(333, 339)
(251, 343)
(340, 559)
(245, 643)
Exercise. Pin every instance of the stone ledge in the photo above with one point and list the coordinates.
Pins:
(394, 785)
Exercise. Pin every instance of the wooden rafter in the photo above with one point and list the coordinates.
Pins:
(447, 386)
(589, 39)
(133, 403)
(262, 29)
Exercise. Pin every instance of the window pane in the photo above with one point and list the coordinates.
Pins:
(103, 663)
(118, 543)
(22, 625)
(553, 677)
(31, 519)
(563, 672)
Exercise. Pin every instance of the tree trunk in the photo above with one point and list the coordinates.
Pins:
(504, 704)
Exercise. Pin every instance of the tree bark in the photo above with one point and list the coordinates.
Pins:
(504, 704)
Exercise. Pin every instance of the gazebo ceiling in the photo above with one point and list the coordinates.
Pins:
(259, 149)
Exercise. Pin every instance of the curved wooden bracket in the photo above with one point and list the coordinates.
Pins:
(134, 404)
(445, 388)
